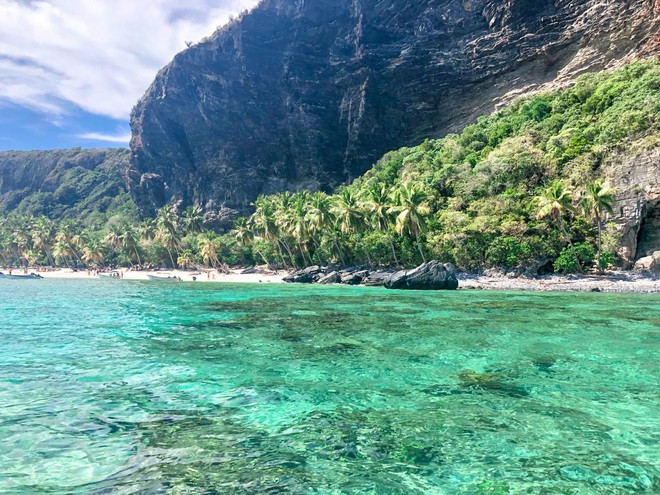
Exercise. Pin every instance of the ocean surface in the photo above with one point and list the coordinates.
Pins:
(118, 387)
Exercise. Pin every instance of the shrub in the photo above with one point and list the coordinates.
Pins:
(566, 262)
(607, 259)
(509, 252)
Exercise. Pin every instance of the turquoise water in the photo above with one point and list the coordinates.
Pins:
(117, 387)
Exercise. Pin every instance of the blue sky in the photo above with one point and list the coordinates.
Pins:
(71, 70)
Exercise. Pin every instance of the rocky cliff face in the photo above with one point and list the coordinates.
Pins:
(636, 177)
(72, 183)
(309, 93)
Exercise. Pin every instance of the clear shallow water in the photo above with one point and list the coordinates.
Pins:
(128, 387)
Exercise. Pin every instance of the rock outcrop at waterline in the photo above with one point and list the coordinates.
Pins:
(636, 177)
(309, 94)
(428, 276)
(432, 275)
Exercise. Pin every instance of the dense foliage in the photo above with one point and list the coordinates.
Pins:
(485, 197)
(521, 188)
(173, 238)
(81, 185)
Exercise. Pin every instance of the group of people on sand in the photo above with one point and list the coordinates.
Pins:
(94, 272)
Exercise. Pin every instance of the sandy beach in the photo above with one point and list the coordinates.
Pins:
(624, 282)
(234, 276)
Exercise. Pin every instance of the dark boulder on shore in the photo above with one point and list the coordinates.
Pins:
(329, 279)
(377, 279)
(309, 275)
(432, 275)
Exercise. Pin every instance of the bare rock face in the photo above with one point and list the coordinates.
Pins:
(308, 94)
(636, 178)
(649, 263)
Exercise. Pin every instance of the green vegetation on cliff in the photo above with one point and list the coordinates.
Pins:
(520, 189)
(478, 195)
(86, 186)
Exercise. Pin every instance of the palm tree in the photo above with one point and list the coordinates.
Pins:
(5, 250)
(350, 215)
(263, 218)
(167, 217)
(209, 245)
(244, 235)
(167, 221)
(130, 240)
(597, 198)
(20, 242)
(61, 251)
(5, 242)
(65, 235)
(43, 232)
(282, 216)
(242, 232)
(263, 221)
(193, 219)
(31, 256)
(297, 223)
(147, 229)
(555, 201)
(411, 207)
(321, 220)
(93, 252)
(113, 238)
(171, 241)
(80, 239)
(378, 204)
(186, 259)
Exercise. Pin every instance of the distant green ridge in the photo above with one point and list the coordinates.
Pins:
(86, 185)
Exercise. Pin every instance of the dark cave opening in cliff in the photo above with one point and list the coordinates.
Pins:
(648, 237)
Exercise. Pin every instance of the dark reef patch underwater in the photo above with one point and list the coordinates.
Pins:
(139, 387)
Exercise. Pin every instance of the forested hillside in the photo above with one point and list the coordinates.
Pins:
(86, 185)
(476, 198)
(539, 185)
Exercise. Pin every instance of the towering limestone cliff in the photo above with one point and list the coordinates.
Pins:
(309, 93)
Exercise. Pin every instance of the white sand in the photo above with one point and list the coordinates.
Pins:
(234, 276)
(613, 282)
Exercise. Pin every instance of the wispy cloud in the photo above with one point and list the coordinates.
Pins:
(108, 138)
(30, 85)
(98, 55)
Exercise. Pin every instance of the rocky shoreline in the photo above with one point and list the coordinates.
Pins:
(613, 281)
(619, 282)
(435, 275)
(432, 275)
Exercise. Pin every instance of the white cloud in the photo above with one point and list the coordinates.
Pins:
(100, 55)
(108, 138)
